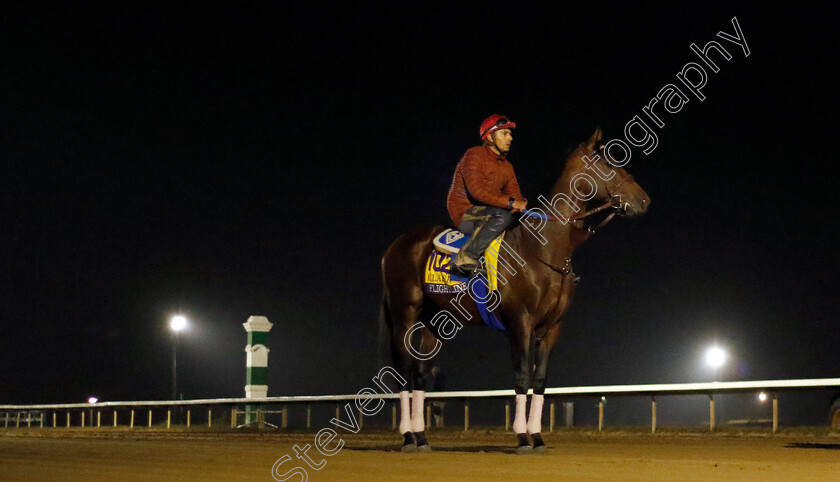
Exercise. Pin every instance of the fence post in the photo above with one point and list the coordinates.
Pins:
(98, 418)
(233, 418)
(83, 419)
(308, 416)
(652, 415)
(188, 418)
(260, 418)
(68, 419)
(362, 419)
(775, 414)
(393, 416)
(601, 414)
(150, 418)
(711, 413)
(551, 416)
(54, 420)
(428, 415)
(466, 415)
(507, 416)
(569, 414)
(209, 418)
(285, 417)
(168, 417)
(7, 421)
(131, 425)
(115, 417)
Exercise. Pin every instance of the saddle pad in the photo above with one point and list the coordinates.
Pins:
(438, 280)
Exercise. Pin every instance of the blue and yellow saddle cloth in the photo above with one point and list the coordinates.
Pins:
(438, 280)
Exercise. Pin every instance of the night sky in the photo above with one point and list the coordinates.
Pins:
(259, 160)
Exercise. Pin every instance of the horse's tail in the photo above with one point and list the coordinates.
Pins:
(385, 331)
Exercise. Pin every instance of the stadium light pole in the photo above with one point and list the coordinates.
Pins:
(176, 324)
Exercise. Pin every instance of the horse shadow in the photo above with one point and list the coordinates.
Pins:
(808, 445)
(499, 449)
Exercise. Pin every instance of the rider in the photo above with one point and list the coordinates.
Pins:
(484, 193)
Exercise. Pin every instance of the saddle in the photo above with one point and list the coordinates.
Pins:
(450, 241)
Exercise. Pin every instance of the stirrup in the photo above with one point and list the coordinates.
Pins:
(467, 271)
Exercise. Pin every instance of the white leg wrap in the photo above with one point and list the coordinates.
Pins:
(535, 417)
(417, 422)
(519, 422)
(405, 412)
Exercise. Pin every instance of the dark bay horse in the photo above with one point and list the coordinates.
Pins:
(533, 297)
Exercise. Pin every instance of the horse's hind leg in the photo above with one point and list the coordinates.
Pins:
(413, 363)
(403, 317)
(429, 346)
(402, 269)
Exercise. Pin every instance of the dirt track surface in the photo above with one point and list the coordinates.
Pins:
(62, 454)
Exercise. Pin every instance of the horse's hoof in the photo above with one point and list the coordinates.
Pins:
(539, 445)
(408, 443)
(420, 438)
(424, 448)
(524, 447)
(524, 450)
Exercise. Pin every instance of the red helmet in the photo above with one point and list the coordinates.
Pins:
(494, 123)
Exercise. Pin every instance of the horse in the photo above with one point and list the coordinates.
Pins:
(532, 301)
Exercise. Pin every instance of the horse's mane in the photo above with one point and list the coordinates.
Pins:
(549, 178)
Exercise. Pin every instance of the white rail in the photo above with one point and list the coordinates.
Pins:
(605, 390)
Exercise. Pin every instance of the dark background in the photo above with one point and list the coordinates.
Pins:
(259, 160)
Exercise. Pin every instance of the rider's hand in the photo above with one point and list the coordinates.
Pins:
(519, 205)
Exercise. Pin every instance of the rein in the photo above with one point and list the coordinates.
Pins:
(614, 202)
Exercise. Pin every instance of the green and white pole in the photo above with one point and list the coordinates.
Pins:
(256, 361)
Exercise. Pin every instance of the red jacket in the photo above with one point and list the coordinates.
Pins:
(482, 177)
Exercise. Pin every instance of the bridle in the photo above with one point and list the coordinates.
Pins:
(614, 202)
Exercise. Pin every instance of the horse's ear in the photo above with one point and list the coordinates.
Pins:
(596, 137)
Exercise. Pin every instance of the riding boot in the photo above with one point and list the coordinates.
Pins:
(486, 224)
(466, 262)
(465, 265)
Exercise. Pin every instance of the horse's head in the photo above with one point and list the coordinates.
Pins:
(611, 183)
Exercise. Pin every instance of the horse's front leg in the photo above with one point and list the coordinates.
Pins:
(523, 365)
(542, 352)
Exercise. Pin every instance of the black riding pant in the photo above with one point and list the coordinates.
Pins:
(484, 223)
